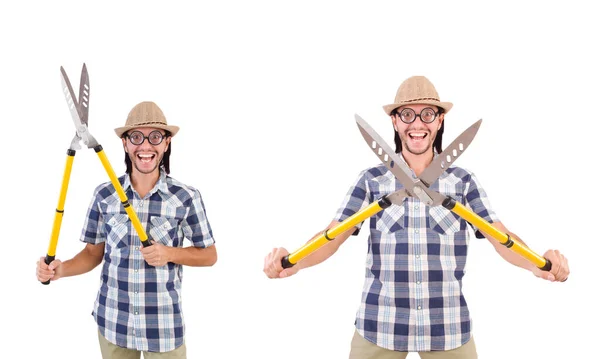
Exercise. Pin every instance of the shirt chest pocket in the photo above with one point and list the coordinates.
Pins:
(391, 219)
(116, 230)
(166, 231)
(444, 221)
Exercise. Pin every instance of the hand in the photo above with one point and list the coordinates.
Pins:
(157, 254)
(273, 268)
(560, 267)
(52, 271)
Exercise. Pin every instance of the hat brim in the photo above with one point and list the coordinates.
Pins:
(447, 106)
(173, 129)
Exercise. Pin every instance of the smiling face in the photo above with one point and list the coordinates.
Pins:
(417, 137)
(145, 156)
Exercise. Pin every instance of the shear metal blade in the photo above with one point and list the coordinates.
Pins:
(84, 95)
(71, 99)
(398, 197)
(443, 161)
(79, 109)
(414, 187)
(385, 153)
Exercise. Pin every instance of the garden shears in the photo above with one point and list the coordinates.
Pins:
(416, 188)
(79, 108)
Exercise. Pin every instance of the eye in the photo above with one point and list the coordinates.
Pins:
(136, 136)
(155, 136)
(407, 114)
(427, 114)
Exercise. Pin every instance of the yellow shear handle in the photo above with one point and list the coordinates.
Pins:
(123, 197)
(498, 235)
(330, 234)
(61, 204)
(58, 216)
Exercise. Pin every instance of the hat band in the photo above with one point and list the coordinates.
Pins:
(147, 123)
(423, 99)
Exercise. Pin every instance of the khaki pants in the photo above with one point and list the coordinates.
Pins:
(364, 349)
(111, 351)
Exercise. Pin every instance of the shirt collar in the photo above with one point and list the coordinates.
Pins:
(161, 184)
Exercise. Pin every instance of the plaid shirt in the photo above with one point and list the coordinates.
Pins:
(139, 306)
(412, 296)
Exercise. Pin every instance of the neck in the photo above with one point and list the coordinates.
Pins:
(418, 163)
(144, 182)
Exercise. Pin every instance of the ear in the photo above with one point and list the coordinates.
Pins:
(168, 142)
(394, 122)
(124, 144)
(441, 120)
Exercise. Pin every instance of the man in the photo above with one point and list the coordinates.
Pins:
(138, 307)
(412, 298)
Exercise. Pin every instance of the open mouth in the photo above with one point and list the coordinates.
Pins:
(417, 135)
(145, 157)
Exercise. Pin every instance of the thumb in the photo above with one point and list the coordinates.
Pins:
(288, 272)
(54, 264)
(546, 275)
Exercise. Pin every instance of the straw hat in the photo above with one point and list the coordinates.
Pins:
(146, 114)
(416, 90)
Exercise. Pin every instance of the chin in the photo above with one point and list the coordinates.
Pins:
(146, 171)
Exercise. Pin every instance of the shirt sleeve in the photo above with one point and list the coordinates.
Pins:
(356, 199)
(195, 225)
(92, 231)
(478, 201)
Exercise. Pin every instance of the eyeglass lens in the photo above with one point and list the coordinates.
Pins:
(427, 115)
(137, 138)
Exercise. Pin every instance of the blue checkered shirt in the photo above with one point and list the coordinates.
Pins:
(139, 306)
(412, 297)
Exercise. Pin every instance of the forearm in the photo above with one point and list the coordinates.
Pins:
(512, 257)
(193, 256)
(86, 260)
(318, 256)
(323, 253)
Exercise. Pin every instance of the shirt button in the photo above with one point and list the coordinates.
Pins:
(136, 313)
(137, 248)
(418, 282)
(136, 292)
(419, 308)
(416, 231)
(136, 270)
(417, 207)
(418, 256)
(141, 204)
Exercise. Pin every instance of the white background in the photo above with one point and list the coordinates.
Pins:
(265, 95)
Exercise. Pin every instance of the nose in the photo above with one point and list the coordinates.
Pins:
(420, 124)
(420, 119)
(145, 144)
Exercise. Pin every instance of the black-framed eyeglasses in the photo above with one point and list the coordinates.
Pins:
(155, 137)
(427, 115)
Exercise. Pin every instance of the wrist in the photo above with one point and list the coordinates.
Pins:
(169, 254)
(532, 268)
(62, 270)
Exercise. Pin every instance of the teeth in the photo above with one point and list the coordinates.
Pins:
(145, 157)
(417, 134)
